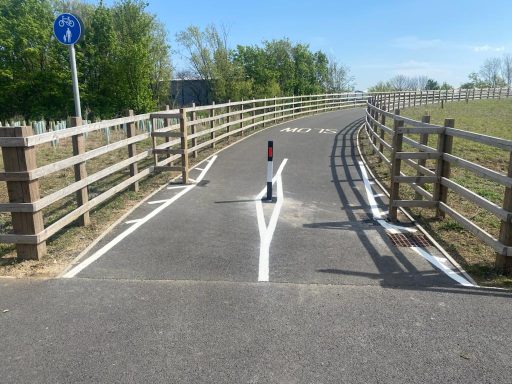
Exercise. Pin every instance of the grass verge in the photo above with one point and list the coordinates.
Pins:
(489, 117)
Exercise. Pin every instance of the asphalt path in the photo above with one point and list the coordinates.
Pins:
(176, 298)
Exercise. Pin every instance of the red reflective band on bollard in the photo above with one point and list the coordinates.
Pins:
(270, 152)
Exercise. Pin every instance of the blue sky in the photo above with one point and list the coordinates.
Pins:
(445, 40)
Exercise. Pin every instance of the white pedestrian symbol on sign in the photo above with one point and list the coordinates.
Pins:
(67, 36)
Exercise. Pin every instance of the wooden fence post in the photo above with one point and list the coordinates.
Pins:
(241, 117)
(23, 159)
(228, 118)
(368, 118)
(375, 115)
(82, 195)
(167, 123)
(381, 135)
(264, 112)
(444, 145)
(275, 109)
(396, 165)
(132, 150)
(424, 141)
(503, 262)
(212, 123)
(193, 116)
(184, 145)
(253, 113)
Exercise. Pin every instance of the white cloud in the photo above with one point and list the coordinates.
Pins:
(486, 48)
(452, 73)
(416, 43)
(421, 68)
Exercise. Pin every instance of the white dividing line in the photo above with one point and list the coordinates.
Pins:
(132, 221)
(91, 259)
(439, 262)
(199, 169)
(158, 202)
(177, 186)
(266, 233)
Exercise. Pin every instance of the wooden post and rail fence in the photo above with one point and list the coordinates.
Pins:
(138, 154)
(388, 143)
(187, 131)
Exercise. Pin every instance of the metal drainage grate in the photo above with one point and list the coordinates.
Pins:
(409, 240)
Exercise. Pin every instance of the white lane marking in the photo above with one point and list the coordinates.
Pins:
(199, 169)
(266, 233)
(439, 262)
(158, 201)
(443, 265)
(84, 264)
(308, 130)
(132, 221)
(177, 186)
(380, 195)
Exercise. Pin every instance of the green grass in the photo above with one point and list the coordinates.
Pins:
(488, 117)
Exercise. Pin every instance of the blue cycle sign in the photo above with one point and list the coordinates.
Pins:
(67, 28)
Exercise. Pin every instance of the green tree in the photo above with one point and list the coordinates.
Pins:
(132, 72)
(99, 66)
(257, 68)
(280, 58)
(431, 85)
(338, 78)
(160, 60)
(212, 61)
(123, 59)
(381, 86)
(33, 73)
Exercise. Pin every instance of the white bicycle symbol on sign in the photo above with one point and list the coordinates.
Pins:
(66, 20)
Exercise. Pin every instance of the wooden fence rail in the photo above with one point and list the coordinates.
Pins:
(176, 134)
(179, 133)
(387, 143)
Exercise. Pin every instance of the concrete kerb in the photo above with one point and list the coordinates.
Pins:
(409, 216)
(76, 260)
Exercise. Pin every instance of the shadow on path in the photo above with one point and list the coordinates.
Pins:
(395, 269)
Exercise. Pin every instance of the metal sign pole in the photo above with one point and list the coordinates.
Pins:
(67, 29)
(74, 77)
